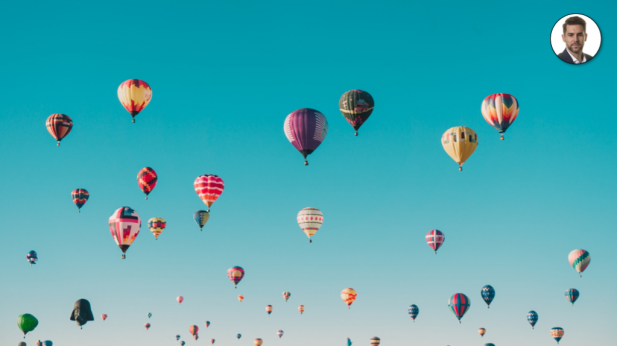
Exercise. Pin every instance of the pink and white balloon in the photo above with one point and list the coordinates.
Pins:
(310, 220)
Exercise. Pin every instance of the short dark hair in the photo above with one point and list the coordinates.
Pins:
(575, 20)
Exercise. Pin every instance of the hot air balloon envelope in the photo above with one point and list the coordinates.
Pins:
(27, 323)
(488, 293)
(305, 129)
(310, 220)
(134, 94)
(146, 179)
(459, 142)
(500, 110)
(579, 260)
(434, 239)
(356, 106)
(201, 217)
(459, 305)
(124, 225)
(80, 197)
(59, 126)
(82, 313)
(157, 226)
(209, 188)
(349, 295)
(235, 274)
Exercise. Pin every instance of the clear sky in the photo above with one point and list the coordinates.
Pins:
(224, 77)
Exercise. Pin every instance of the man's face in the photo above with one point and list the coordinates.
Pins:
(574, 38)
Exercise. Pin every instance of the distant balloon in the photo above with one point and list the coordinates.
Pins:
(212, 341)
(157, 226)
(149, 314)
(488, 293)
(48, 343)
(240, 298)
(579, 260)
(180, 299)
(301, 309)
(499, 111)
(201, 217)
(375, 341)
(124, 225)
(39, 343)
(235, 274)
(182, 343)
(239, 336)
(356, 106)
(413, 311)
(489, 344)
(481, 331)
(306, 128)
(104, 317)
(310, 220)
(459, 142)
(279, 333)
(59, 126)
(21, 343)
(82, 312)
(572, 295)
(27, 323)
(207, 324)
(557, 333)
(348, 342)
(193, 330)
(269, 309)
(532, 318)
(147, 179)
(209, 188)
(459, 305)
(286, 295)
(434, 239)
(258, 342)
(134, 94)
(177, 337)
(32, 257)
(147, 325)
(349, 295)
(80, 197)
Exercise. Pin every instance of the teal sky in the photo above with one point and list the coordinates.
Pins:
(224, 77)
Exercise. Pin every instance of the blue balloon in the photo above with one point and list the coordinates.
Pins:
(348, 342)
(413, 311)
(239, 336)
(488, 293)
(177, 337)
(532, 318)
(201, 217)
(572, 295)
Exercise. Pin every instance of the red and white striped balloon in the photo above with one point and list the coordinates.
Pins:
(209, 187)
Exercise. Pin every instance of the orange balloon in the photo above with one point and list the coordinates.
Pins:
(240, 298)
(349, 295)
(258, 342)
(301, 309)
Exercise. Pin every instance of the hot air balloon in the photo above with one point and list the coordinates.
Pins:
(177, 337)
(500, 110)
(557, 333)
(269, 309)
(235, 274)
(147, 179)
(27, 323)
(193, 330)
(481, 331)
(532, 318)
(239, 336)
(124, 225)
(349, 295)
(579, 260)
(147, 325)
(572, 295)
(212, 341)
(459, 142)
(434, 239)
(156, 226)
(356, 106)
(209, 187)
(181, 343)
(279, 333)
(459, 305)
(240, 298)
(301, 309)
(488, 293)
(310, 220)
(306, 128)
(59, 126)
(375, 341)
(348, 342)
(207, 324)
(82, 312)
(21, 343)
(258, 342)
(180, 299)
(134, 94)
(32, 257)
(39, 343)
(104, 317)
(413, 311)
(286, 295)
(201, 217)
(195, 337)
(489, 344)
(48, 343)
(149, 314)
(80, 197)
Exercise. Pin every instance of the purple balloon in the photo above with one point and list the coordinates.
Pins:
(306, 128)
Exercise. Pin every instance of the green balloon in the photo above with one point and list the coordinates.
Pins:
(27, 323)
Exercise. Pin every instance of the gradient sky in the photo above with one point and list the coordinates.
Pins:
(224, 77)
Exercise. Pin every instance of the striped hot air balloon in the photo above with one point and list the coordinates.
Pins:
(269, 309)
(80, 197)
(413, 311)
(532, 318)
(209, 187)
(134, 94)
(124, 225)
(235, 274)
(579, 260)
(459, 305)
(157, 226)
(147, 325)
(194, 330)
(356, 106)
(434, 239)
(459, 142)
(301, 309)
(147, 179)
(375, 341)
(572, 295)
(32, 257)
(306, 128)
(557, 333)
(286, 295)
(279, 333)
(488, 293)
(500, 110)
(59, 126)
(310, 220)
(349, 295)
(481, 331)
(201, 217)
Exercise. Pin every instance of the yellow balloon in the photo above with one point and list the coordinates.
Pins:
(349, 295)
(459, 142)
(156, 226)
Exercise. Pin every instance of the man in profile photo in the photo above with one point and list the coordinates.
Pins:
(574, 35)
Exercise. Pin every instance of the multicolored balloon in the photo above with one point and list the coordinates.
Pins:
(500, 110)
(27, 323)
(349, 295)
(557, 333)
(134, 94)
(269, 309)
(209, 187)
(258, 342)
(157, 226)
(532, 318)
(193, 330)
(182, 343)
(356, 106)
(310, 220)
(195, 337)
(306, 128)
(180, 299)
(32, 257)
(459, 142)
(488, 293)
(38, 343)
(124, 225)
(201, 217)
(434, 239)
(301, 309)
(104, 317)
(80, 197)
(177, 337)
(572, 295)
(147, 179)
(279, 333)
(286, 295)
(207, 323)
(481, 331)
(147, 325)
(59, 126)
(459, 304)
(240, 298)
(212, 341)
(48, 343)
(579, 260)
(413, 311)
(235, 274)
(375, 341)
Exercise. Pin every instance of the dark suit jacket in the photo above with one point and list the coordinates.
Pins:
(565, 56)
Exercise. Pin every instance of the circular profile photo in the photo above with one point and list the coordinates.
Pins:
(576, 39)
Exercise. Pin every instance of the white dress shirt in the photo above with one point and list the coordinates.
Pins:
(575, 59)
